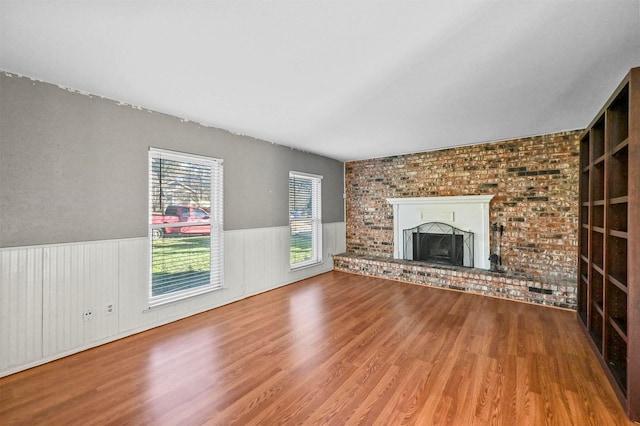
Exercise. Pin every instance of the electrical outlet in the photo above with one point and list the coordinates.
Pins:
(88, 314)
(109, 308)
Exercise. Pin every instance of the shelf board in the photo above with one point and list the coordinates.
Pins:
(613, 280)
(598, 229)
(619, 200)
(598, 203)
(619, 234)
(618, 325)
(598, 268)
(585, 225)
(620, 146)
(585, 279)
(586, 204)
(599, 160)
(585, 258)
(598, 307)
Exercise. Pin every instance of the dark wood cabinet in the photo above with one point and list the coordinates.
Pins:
(609, 239)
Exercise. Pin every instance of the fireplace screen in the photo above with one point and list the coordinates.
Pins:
(438, 242)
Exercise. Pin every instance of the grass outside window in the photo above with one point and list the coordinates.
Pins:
(185, 263)
(301, 248)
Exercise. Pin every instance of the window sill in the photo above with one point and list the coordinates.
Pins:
(171, 301)
(305, 265)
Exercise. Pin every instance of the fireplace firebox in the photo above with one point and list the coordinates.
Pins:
(437, 242)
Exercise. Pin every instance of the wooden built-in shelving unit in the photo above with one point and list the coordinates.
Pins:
(609, 239)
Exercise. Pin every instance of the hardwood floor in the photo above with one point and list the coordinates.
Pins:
(335, 349)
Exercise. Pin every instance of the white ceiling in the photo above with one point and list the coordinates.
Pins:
(345, 79)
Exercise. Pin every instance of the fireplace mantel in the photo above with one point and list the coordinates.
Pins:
(468, 212)
(458, 199)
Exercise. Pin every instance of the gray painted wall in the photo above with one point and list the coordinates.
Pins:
(74, 167)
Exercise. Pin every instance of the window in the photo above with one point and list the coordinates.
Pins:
(200, 214)
(305, 219)
(185, 225)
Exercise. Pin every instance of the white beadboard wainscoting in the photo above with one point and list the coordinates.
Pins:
(45, 290)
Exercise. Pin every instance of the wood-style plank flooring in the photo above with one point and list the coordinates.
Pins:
(335, 349)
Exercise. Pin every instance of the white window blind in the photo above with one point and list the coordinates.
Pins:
(305, 219)
(185, 225)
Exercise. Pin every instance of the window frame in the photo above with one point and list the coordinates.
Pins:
(316, 220)
(215, 221)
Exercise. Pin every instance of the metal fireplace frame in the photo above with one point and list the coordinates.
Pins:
(461, 252)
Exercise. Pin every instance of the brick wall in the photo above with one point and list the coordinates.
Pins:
(534, 181)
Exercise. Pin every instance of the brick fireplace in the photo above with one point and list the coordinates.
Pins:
(534, 185)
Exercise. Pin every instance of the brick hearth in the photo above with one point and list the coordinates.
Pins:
(547, 291)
